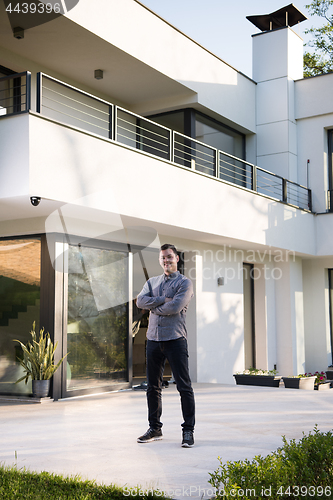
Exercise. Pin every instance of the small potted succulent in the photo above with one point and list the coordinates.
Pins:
(256, 376)
(38, 362)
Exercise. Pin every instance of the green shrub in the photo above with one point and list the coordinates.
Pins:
(25, 485)
(302, 469)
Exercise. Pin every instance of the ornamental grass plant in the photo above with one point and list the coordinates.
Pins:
(302, 469)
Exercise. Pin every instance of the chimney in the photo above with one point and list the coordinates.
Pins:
(277, 63)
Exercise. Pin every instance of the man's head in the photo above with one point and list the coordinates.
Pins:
(169, 258)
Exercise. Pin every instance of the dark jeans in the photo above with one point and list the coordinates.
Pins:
(175, 351)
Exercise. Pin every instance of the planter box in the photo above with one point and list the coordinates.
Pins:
(323, 387)
(259, 380)
(306, 383)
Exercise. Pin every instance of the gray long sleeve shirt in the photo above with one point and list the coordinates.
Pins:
(167, 320)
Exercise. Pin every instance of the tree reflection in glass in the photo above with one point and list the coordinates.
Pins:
(97, 317)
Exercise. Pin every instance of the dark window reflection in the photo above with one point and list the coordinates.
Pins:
(19, 307)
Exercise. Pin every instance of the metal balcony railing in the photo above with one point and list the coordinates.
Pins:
(65, 103)
(194, 154)
(69, 105)
(15, 92)
(141, 133)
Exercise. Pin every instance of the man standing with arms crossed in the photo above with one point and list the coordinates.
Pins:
(167, 298)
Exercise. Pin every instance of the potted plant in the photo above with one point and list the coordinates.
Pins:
(256, 376)
(321, 381)
(38, 362)
(302, 381)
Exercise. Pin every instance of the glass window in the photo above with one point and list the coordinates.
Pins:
(97, 327)
(218, 136)
(19, 307)
(174, 121)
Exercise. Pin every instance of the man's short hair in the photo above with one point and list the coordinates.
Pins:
(166, 246)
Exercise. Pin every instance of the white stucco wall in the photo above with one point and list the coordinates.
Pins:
(145, 36)
(314, 114)
(14, 156)
(107, 175)
(316, 314)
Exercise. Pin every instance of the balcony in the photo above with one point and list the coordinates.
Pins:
(72, 107)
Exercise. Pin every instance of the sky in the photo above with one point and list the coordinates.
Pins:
(221, 25)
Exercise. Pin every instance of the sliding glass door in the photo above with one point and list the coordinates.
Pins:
(97, 318)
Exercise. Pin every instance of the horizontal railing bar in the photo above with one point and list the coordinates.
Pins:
(146, 144)
(209, 166)
(295, 183)
(259, 169)
(23, 104)
(232, 165)
(73, 100)
(164, 151)
(195, 152)
(232, 177)
(75, 117)
(15, 75)
(47, 77)
(118, 108)
(12, 97)
(138, 129)
(193, 140)
(74, 109)
(8, 89)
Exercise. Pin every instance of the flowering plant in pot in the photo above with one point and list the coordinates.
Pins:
(38, 362)
(257, 376)
(321, 380)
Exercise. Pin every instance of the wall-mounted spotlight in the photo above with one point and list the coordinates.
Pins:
(220, 281)
(35, 201)
(99, 74)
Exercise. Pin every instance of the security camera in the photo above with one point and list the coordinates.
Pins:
(18, 33)
(35, 201)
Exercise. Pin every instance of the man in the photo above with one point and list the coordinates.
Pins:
(167, 298)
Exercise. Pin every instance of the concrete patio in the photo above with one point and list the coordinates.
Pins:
(95, 437)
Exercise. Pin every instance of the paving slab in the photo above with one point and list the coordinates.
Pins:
(95, 437)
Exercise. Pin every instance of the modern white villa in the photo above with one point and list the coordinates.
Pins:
(118, 133)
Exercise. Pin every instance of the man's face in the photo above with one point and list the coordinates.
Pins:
(168, 261)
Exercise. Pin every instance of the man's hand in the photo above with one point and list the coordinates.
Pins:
(167, 299)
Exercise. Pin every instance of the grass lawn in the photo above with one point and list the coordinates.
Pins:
(18, 484)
